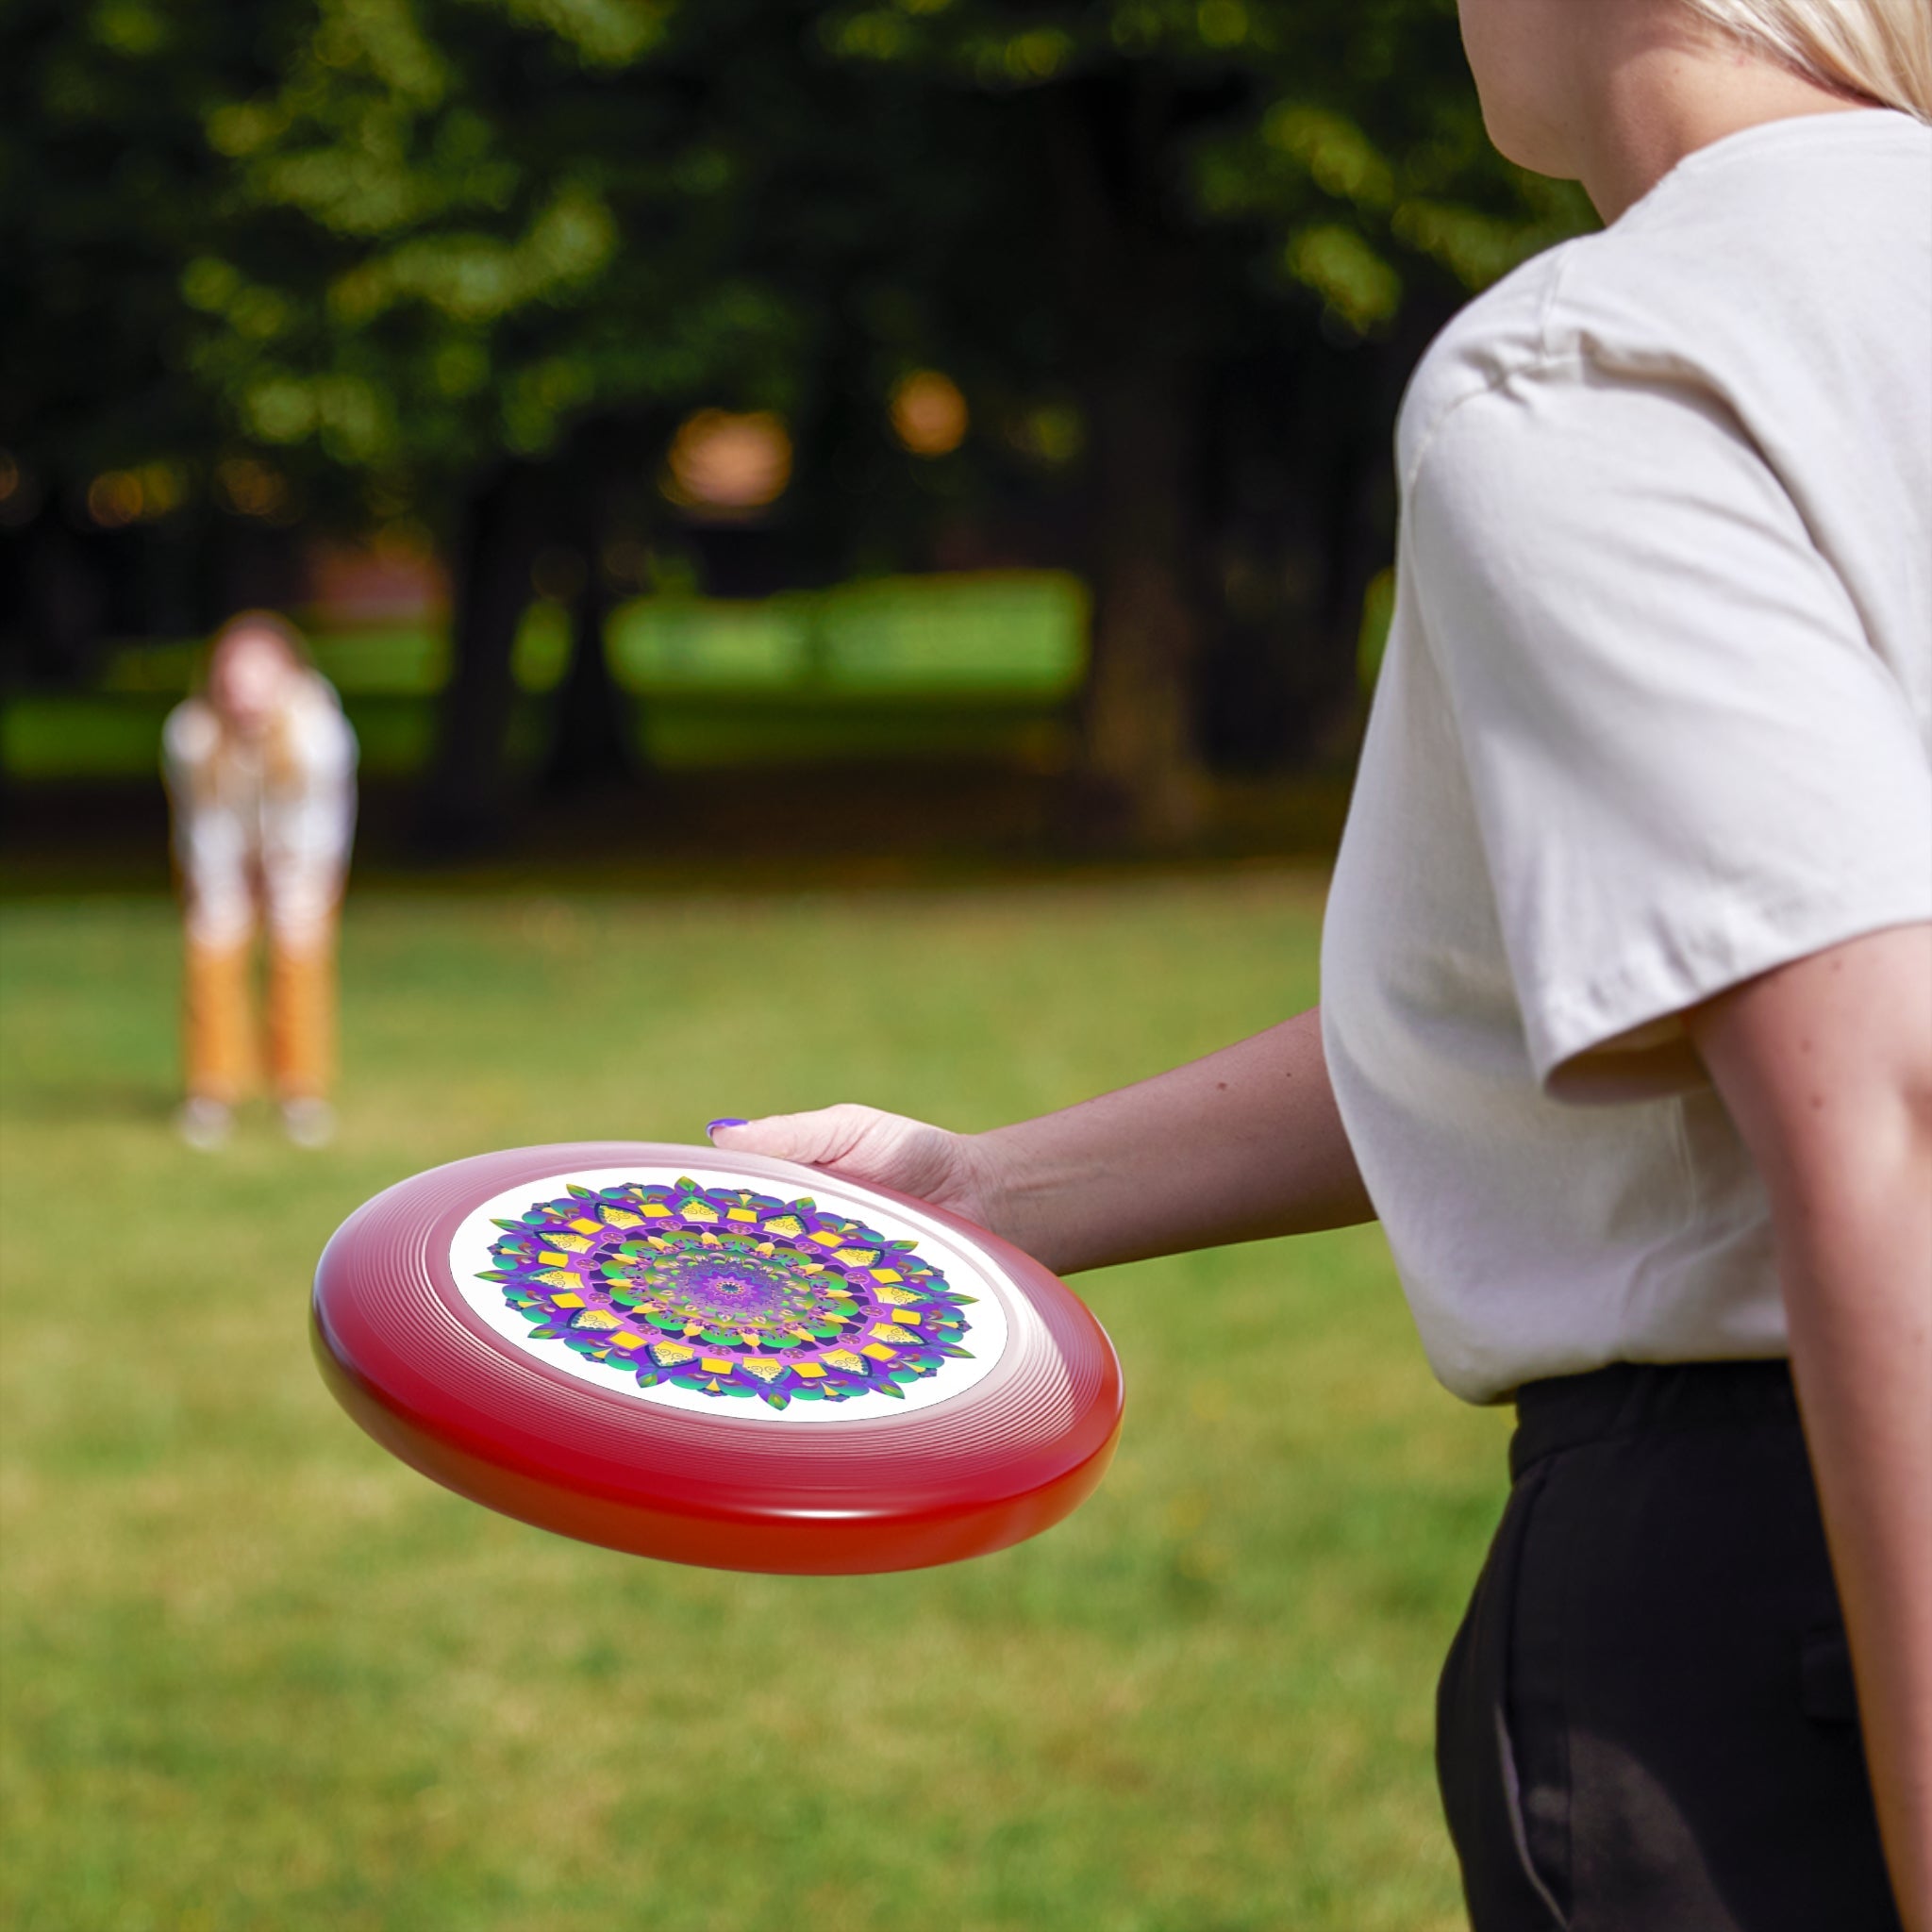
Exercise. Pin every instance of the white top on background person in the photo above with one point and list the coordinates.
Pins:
(264, 806)
(1668, 730)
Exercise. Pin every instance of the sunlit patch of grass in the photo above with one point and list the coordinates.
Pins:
(257, 1674)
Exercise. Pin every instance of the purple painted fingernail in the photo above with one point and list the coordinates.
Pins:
(712, 1126)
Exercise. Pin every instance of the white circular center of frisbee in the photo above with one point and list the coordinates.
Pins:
(475, 1261)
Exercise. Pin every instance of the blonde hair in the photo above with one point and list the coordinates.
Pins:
(1879, 50)
(282, 767)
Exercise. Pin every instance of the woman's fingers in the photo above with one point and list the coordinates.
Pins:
(884, 1148)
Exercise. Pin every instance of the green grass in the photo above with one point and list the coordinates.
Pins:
(257, 1675)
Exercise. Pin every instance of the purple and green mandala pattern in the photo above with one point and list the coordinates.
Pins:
(728, 1293)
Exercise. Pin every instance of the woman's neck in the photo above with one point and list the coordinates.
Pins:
(1656, 96)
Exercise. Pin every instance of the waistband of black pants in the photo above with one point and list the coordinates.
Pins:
(1637, 1398)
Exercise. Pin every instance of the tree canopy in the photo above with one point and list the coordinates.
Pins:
(436, 259)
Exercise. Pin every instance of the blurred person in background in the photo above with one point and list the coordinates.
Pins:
(1626, 1020)
(261, 768)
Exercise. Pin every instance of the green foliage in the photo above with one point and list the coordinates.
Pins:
(106, 189)
(398, 238)
(499, 238)
(256, 1672)
(1347, 132)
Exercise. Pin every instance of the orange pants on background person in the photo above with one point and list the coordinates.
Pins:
(221, 1040)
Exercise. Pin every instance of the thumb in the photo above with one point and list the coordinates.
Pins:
(818, 1138)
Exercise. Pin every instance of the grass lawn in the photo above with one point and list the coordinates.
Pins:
(257, 1675)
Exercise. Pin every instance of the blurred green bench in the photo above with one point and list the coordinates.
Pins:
(976, 666)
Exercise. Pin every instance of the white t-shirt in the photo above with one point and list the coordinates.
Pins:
(249, 825)
(1655, 716)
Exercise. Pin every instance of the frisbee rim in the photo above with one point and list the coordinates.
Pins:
(527, 1455)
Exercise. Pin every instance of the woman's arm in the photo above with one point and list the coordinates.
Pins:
(1243, 1144)
(1826, 1068)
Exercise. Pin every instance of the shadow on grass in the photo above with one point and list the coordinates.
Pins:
(777, 828)
(83, 1103)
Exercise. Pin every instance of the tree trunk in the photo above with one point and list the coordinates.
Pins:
(591, 743)
(1133, 301)
(466, 801)
(594, 745)
(62, 600)
(1139, 738)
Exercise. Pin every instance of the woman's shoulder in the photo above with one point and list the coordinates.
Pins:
(1754, 267)
(1501, 333)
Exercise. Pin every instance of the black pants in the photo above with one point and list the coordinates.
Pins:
(1646, 1721)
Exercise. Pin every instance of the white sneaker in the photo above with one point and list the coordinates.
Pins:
(204, 1123)
(308, 1122)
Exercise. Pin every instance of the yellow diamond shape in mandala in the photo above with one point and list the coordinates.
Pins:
(906, 1315)
(810, 1370)
(887, 1274)
(621, 1217)
(568, 1301)
(654, 1208)
(716, 1364)
(785, 1224)
(881, 1353)
(828, 1239)
(741, 1214)
(887, 1332)
(595, 1318)
(550, 1260)
(763, 1366)
(845, 1358)
(584, 1226)
(668, 1354)
(625, 1339)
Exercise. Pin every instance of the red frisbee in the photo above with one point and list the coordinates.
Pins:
(716, 1359)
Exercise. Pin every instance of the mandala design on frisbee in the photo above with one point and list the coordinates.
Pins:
(728, 1293)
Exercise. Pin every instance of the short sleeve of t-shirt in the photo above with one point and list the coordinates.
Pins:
(1686, 763)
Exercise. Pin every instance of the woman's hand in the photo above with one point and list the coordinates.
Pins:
(886, 1150)
(1239, 1146)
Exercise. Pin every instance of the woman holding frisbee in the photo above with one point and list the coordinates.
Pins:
(1627, 1032)
(261, 776)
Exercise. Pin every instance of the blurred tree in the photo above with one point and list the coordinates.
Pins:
(509, 232)
(471, 261)
(530, 238)
(1232, 194)
(106, 189)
